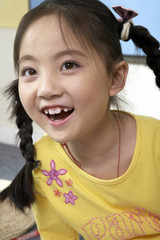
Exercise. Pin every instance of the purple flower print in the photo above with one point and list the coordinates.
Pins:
(53, 174)
(70, 198)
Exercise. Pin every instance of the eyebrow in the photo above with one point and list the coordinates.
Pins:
(56, 56)
(26, 58)
(69, 52)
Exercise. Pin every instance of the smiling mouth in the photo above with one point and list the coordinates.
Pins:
(58, 113)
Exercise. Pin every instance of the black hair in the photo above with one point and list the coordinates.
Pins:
(150, 46)
(21, 186)
(94, 25)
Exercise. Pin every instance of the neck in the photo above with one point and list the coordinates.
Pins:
(101, 145)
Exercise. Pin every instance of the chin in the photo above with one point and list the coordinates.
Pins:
(59, 139)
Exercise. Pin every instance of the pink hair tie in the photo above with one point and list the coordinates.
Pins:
(126, 15)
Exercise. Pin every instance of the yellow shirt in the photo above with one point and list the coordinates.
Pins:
(70, 201)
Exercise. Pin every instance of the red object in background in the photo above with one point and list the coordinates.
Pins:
(28, 236)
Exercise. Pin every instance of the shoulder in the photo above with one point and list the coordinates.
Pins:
(139, 125)
(148, 124)
(146, 119)
(43, 140)
(47, 148)
(50, 154)
(44, 143)
(148, 131)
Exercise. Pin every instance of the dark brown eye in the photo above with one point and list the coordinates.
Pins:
(28, 72)
(31, 72)
(69, 66)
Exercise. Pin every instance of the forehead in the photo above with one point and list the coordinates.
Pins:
(50, 31)
(42, 30)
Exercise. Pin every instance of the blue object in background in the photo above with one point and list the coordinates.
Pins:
(34, 3)
(149, 17)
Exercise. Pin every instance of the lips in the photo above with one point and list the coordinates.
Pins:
(57, 113)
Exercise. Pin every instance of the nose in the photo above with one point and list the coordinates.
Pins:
(49, 87)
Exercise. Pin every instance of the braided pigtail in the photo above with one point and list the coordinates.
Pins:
(140, 37)
(21, 191)
(150, 46)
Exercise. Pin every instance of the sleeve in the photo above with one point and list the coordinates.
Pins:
(49, 224)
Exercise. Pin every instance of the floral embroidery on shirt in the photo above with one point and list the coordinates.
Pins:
(53, 174)
(70, 198)
(69, 182)
(57, 193)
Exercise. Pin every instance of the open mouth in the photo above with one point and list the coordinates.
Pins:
(58, 113)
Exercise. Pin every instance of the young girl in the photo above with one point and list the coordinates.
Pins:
(97, 172)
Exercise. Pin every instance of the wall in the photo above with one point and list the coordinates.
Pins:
(11, 12)
(140, 92)
(6, 75)
(7, 128)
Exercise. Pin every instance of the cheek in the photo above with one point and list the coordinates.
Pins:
(96, 92)
(25, 97)
(21, 92)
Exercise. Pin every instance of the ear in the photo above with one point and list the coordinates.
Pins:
(118, 79)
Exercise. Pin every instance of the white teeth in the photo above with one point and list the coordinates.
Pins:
(51, 111)
(46, 111)
(67, 109)
(55, 111)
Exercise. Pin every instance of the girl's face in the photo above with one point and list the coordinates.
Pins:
(64, 89)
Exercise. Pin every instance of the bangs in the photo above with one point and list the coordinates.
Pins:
(83, 30)
(89, 23)
(75, 28)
